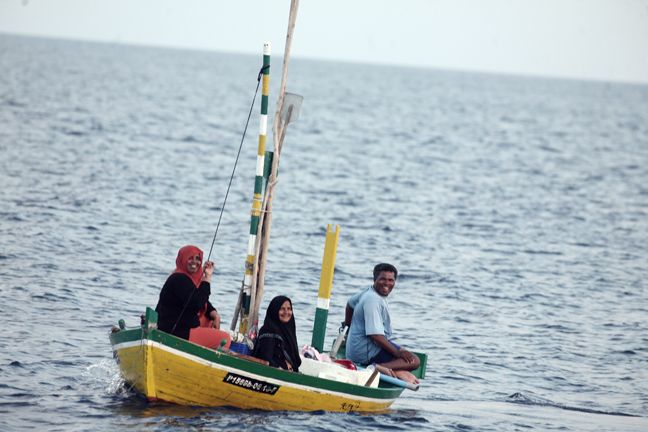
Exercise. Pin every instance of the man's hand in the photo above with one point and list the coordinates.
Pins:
(406, 355)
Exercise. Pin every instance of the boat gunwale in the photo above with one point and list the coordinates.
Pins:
(122, 337)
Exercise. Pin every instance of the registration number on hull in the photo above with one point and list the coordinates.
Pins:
(251, 384)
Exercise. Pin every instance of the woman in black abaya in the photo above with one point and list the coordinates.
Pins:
(277, 339)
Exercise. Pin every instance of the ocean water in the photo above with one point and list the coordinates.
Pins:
(516, 210)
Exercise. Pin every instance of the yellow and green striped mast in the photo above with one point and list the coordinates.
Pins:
(325, 287)
(287, 111)
(248, 296)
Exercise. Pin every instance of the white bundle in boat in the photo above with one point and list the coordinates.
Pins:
(336, 372)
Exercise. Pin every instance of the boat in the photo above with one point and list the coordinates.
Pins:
(163, 367)
(166, 368)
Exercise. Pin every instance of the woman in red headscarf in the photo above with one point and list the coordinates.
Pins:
(185, 296)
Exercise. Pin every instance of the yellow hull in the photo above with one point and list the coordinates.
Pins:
(161, 372)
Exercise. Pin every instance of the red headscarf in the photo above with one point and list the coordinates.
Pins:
(184, 254)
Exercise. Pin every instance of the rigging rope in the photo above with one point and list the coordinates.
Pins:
(237, 158)
(238, 154)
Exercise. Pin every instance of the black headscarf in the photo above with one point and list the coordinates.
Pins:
(287, 331)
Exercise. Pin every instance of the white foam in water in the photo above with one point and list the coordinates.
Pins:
(106, 374)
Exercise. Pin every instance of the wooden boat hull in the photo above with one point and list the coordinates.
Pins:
(167, 368)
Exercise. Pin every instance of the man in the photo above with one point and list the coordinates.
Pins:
(367, 314)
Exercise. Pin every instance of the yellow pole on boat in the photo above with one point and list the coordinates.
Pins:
(325, 287)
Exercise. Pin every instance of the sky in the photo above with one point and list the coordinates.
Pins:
(582, 39)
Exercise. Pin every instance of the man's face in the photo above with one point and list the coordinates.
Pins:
(384, 283)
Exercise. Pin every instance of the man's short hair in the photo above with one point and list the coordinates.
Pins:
(384, 267)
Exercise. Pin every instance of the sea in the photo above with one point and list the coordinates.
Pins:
(515, 208)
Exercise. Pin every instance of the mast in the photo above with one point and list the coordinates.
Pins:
(281, 120)
(247, 295)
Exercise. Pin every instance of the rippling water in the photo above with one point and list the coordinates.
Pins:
(515, 208)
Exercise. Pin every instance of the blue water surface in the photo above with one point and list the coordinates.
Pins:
(516, 210)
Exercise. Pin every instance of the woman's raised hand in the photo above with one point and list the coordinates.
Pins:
(208, 271)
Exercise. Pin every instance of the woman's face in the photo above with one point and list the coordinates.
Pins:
(193, 264)
(285, 312)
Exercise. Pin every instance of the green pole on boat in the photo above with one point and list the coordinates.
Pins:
(248, 294)
(325, 287)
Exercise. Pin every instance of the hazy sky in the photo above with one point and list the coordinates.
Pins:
(592, 39)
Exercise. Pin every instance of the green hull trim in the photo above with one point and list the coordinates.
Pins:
(385, 391)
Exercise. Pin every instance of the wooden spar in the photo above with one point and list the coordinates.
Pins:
(278, 126)
(237, 310)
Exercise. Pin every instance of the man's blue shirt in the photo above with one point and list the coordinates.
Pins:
(370, 317)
